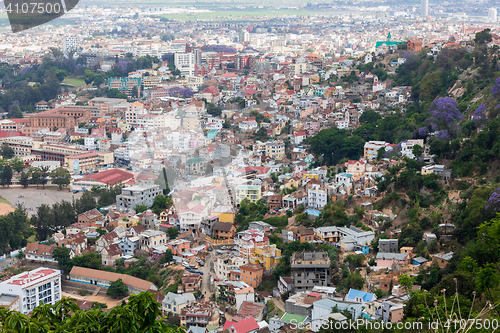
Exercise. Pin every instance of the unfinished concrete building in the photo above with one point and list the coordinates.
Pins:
(310, 269)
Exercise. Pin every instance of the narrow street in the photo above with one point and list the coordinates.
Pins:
(205, 284)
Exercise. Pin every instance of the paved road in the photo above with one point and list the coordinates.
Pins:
(205, 284)
(7, 262)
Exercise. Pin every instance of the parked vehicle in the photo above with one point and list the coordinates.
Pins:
(202, 264)
(210, 249)
(224, 248)
(185, 264)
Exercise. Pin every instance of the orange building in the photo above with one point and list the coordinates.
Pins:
(414, 45)
(60, 118)
(251, 274)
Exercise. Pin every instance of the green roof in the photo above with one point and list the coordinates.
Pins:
(194, 160)
(288, 317)
(388, 43)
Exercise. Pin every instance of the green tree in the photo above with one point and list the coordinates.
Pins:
(369, 117)
(140, 208)
(61, 177)
(6, 178)
(62, 255)
(172, 233)
(89, 260)
(42, 222)
(24, 179)
(7, 151)
(44, 174)
(17, 164)
(117, 289)
(417, 151)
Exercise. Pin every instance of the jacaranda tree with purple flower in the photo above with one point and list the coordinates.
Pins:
(445, 113)
(495, 90)
(480, 115)
(493, 204)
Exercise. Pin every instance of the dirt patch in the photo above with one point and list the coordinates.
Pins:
(6, 209)
(101, 298)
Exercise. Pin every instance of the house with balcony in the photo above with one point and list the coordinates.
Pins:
(250, 192)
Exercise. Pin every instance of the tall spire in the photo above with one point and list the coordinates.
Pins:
(389, 36)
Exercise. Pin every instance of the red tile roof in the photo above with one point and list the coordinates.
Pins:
(109, 177)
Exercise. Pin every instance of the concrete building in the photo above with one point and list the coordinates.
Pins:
(200, 314)
(103, 279)
(252, 274)
(151, 238)
(137, 195)
(275, 150)
(493, 14)
(227, 263)
(309, 269)
(388, 245)
(176, 302)
(70, 44)
(424, 8)
(41, 285)
(185, 62)
(250, 192)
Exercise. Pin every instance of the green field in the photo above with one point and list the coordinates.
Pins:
(73, 81)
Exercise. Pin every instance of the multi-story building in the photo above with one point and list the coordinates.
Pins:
(70, 44)
(66, 118)
(125, 84)
(424, 8)
(251, 274)
(137, 195)
(275, 150)
(133, 112)
(176, 302)
(151, 238)
(317, 197)
(82, 163)
(200, 314)
(185, 62)
(250, 192)
(407, 147)
(227, 263)
(39, 286)
(493, 14)
(371, 149)
(309, 269)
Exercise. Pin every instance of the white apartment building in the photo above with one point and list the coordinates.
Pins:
(185, 63)
(492, 14)
(227, 263)
(70, 43)
(407, 147)
(317, 197)
(39, 286)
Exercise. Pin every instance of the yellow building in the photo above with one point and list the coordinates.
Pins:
(275, 150)
(309, 176)
(250, 192)
(269, 257)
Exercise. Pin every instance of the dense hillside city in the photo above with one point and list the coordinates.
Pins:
(251, 168)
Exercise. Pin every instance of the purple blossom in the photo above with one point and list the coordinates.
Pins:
(219, 48)
(174, 92)
(421, 133)
(25, 70)
(15, 103)
(480, 114)
(495, 90)
(494, 201)
(443, 135)
(122, 64)
(186, 93)
(445, 112)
